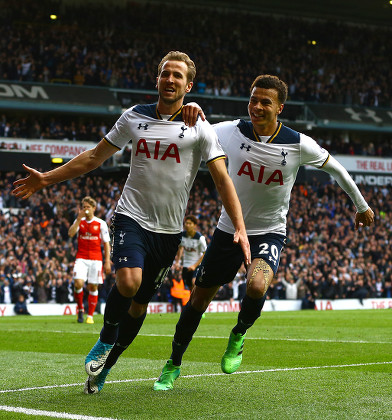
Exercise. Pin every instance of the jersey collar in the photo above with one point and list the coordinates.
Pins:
(247, 129)
(177, 116)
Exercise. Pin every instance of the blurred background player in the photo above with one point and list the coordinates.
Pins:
(191, 251)
(92, 231)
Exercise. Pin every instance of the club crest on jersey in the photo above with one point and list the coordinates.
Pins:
(145, 126)
(183, 128)
(121, 234)
(284, 161)
(243, 146)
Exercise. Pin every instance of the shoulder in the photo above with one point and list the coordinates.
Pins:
(286, 135)
(147, 110)
(100, 221)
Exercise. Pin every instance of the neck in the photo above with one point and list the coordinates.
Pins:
(169, 108)
(267, 130)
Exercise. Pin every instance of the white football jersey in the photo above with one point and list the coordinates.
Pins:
(166, 156)
(264, 170)
(193, 248)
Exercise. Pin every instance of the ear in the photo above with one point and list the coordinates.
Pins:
(280, 109)
(189, 87)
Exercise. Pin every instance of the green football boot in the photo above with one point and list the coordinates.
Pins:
(169, 374)
(232, 358)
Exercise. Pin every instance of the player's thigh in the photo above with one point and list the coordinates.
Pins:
(94, 272)
(80, 269)
(201, 297)
(187, 276)
(221, 261)
(265, 252)
(161, 253)
(268, 247)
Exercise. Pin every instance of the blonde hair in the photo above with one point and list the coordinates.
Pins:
(179, 56)
(90, 201)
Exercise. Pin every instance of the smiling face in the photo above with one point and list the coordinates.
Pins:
(264, 108)
(173, 85)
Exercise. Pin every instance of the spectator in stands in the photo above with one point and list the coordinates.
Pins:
(6, 291)
(20, 307)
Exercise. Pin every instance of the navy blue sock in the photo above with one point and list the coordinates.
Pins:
(117, 306)
(185, 328)
(128, 329)
(250, 311)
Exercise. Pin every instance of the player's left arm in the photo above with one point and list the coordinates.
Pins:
(364, 215)
(107, 265)
(232, 204)
(105, 238)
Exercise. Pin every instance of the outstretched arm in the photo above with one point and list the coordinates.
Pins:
(79, 165)
(364, 215)
(232, 204)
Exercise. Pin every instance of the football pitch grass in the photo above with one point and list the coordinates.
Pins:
(296, 365)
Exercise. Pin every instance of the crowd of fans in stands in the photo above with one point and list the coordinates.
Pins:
(93, 129)
(121, 46)
(324, 256)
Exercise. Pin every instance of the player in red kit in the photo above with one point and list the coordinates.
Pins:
(92, 231)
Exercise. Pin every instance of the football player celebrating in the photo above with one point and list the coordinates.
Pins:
(88, 264)
(147, 225)
(264, 157)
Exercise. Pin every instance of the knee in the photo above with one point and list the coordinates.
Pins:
(78, 284)
(200, 299)
(128, 281)
(256, 291)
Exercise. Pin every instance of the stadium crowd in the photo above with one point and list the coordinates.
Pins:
(93, 45)
(324, 256)
(93, 129)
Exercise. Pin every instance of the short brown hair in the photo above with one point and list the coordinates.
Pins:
(192, 218)
(179, 56)
(266, 81)
(90, 201)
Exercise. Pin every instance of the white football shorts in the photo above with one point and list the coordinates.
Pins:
(88, 270)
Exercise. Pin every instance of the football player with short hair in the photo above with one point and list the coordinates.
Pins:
(191, 250)
(147, 225)
(92, 231)
(264, 157)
